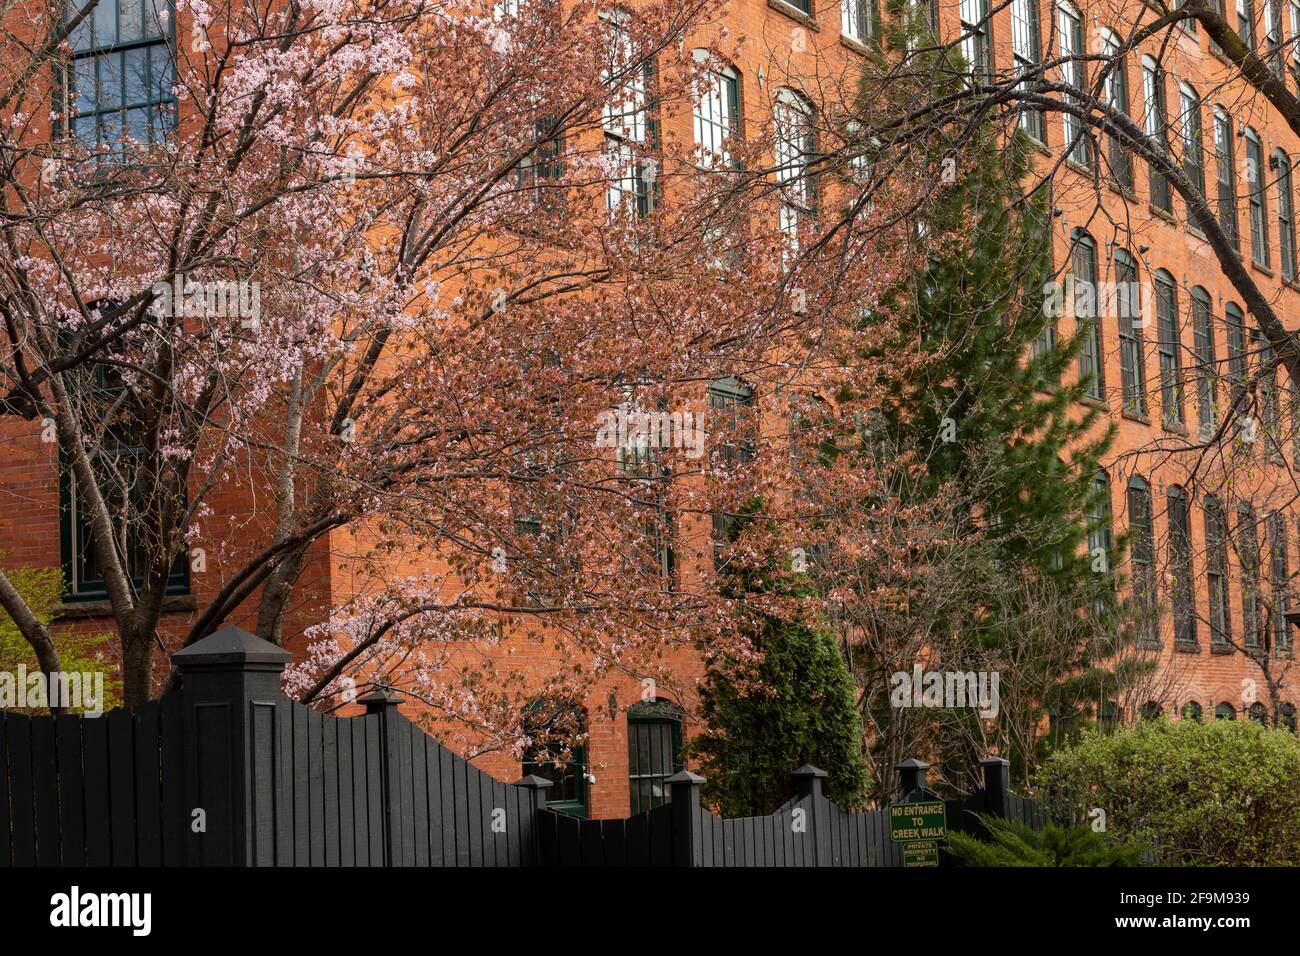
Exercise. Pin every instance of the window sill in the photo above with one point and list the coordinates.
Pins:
(1120, 190)
(1221, 649)
(1161, 214)
(173, 603)
(1149, 644)
(1175, 428)
(1093, 402)
(854, 44)
(1264, 269)
(794, 13)
(1135, 416)
(1078, 167)
(1186, 647)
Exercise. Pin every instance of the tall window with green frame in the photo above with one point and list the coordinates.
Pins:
(1075, 76)
(1171, 372)
(731, 420)
(629, 129)
(1279, 583)
(1258, 199)
(1026, 55)
(1269, 410)
(1248, 561)
(1216, 570)
(1115, 95)
(1226, 177)
(128, 488)
(1142, 555)
(1207, 401)
(1182, 594)
(119, 87)
(1281, 165)
(1155, 126)
(1101, 534)
(654, 752)
(1189, 134)
(1132, 350)
(1083, 276)
(975, 46)
(858, 19)
(557, 751)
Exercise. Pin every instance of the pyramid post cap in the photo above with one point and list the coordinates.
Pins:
(533, 782)
(911, 763)
(808, 770)
(685, 776)
(231, 645)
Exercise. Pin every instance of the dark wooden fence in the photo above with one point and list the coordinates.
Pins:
(227, 771)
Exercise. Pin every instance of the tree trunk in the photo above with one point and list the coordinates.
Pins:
(137, 669)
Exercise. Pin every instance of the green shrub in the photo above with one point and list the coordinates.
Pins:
(1223, 793)
(1012, 843)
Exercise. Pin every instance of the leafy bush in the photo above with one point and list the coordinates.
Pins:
(1223, 793)
(1012, 843)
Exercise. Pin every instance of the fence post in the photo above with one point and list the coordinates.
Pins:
(808, 785)
(685, 791)
(230, 689)
(997, 785)
(911, 775)
(383, 703)
(535, 788)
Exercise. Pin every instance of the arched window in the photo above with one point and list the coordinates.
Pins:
(1279, 581)
(1132, 350)
(1151, 710)
(1083, 277)
(1248, 558)
(1285, 214)
(1286, 716)
(717, 111)
(1099, 524)
(1225, 711)
(654, 752)
(1216, 570)
(1115, 96)
(1180, 567)
(1169, 340)
(1207, 400)
(1192, 711)
(1259, 714)
(796, 144)
(1189, 133)
(1141, 554)
(1258, 199)
(1155, 126)
(1226, 176)
(557, 752)
(1236, 343)
(1075, 76)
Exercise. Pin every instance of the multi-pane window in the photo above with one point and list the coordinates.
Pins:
(717, 113)
(858, 19)
(1074, 75)
(1025, 51)
(1154, 126)
(1258, 205)
(1192, 711)
(1248, 560)
(1269, 410)
(1258, 713)
(731, 420)
(1083, 275)
(1216, 569)
(1100, 532)
(1272, 21)
(640, 463)
(1171, 382)
(627, 125)
(1132, 354)
(121, 77)
(1225, 711)
(1115, 95)
(1279, 580)
(1285, 215)
(1246, 22)
(1142, 553)
(1203, 334)
(1226, 176)
(557, 751)
(803, 6)
(1180, 567)
(1294, 10)
(1236, 344)
(975, 37)
(654, 752)
(1189, 131)
(795, 147)
(539, 173)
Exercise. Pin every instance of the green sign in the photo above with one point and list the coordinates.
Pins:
(916, 822)
(921, 853)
